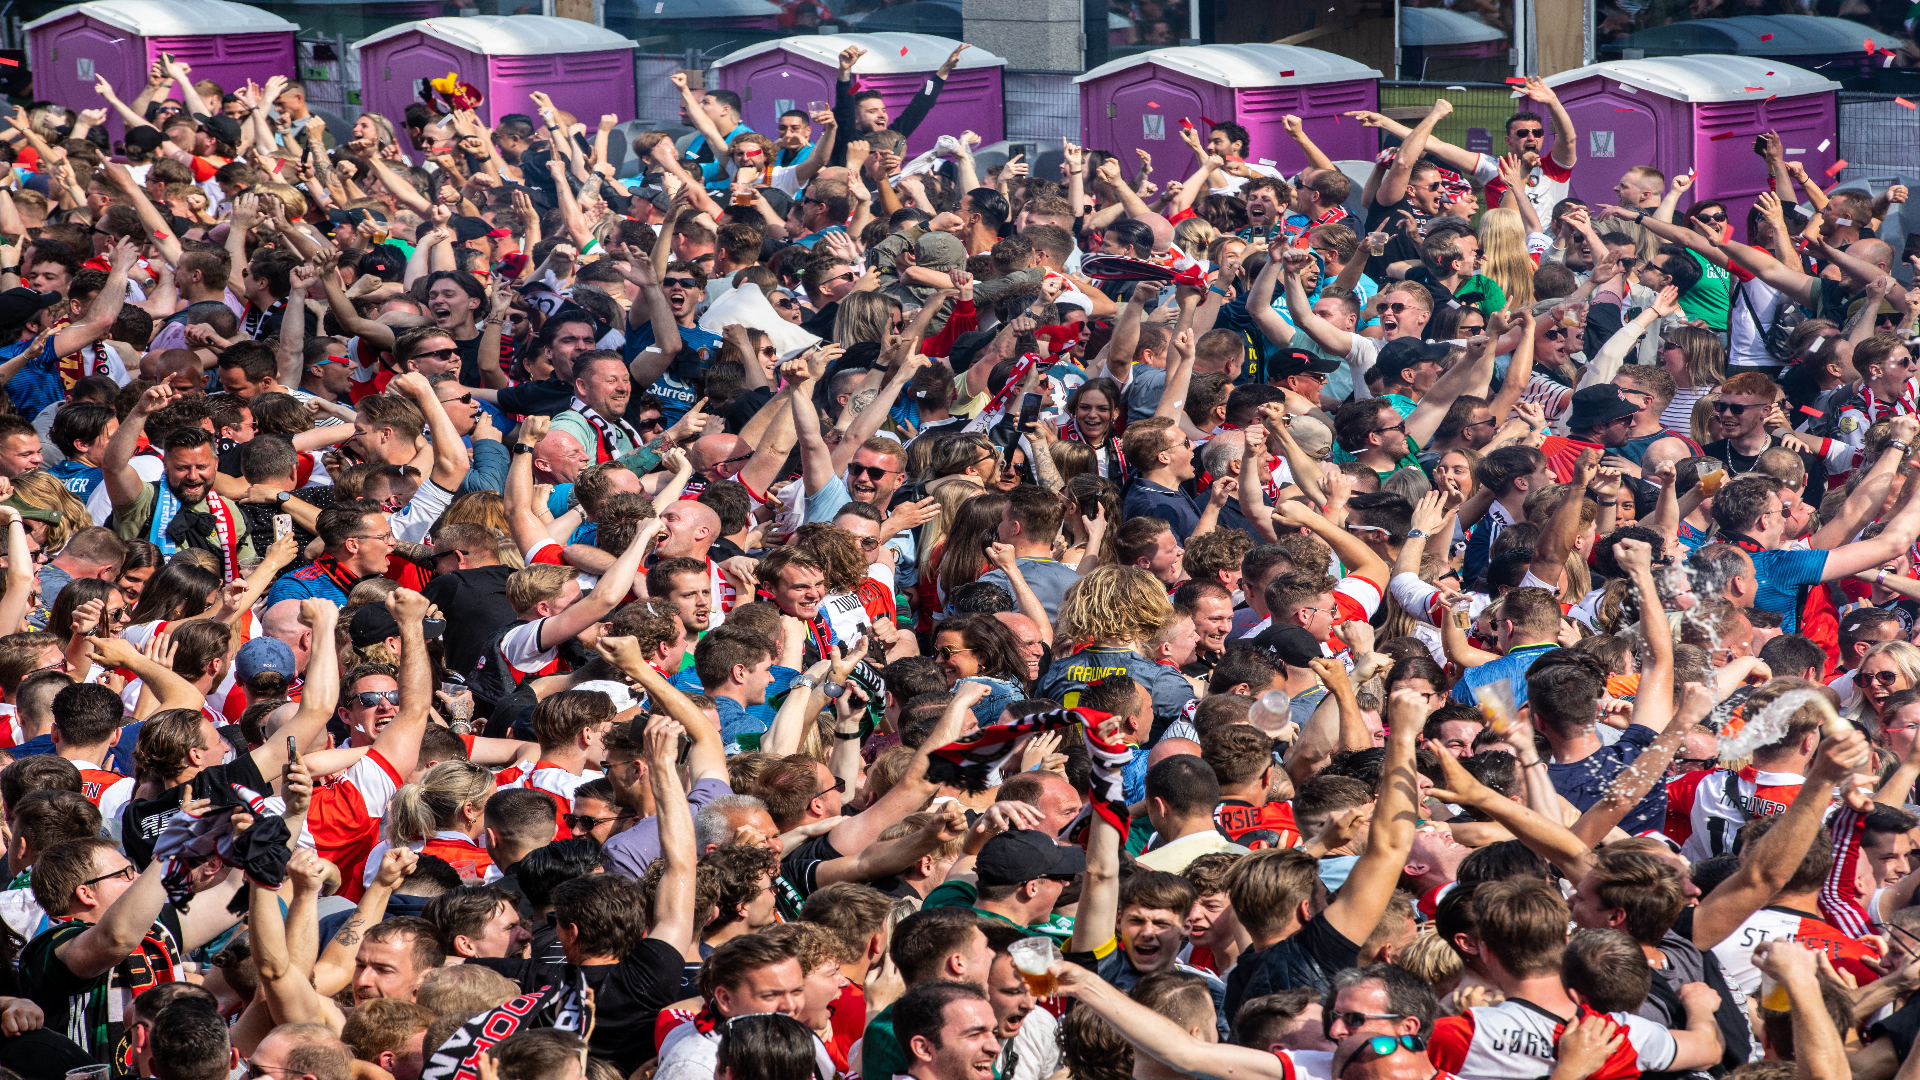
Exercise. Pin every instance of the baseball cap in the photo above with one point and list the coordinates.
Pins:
(264, 654)
(145, 138)
(469, 228)
(17, 305)
(620, 693)
(1402, 353)
(1302, 362)
(371, 624)
(1313, 436)
(1294, 646)
(224, 128)
(1023, 855)
(1596, 405)
(939, 251)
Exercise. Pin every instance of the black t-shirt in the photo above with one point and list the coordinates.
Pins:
(1722, 451)
(1399, 248)
(627, 996)
(42, 1054)
(143, 819)
(474, 603)
(470, 359)
(1308, 958)
(799, 867)
(744, 406)
(544, 397)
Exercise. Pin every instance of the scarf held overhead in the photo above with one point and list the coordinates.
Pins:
(969, 761)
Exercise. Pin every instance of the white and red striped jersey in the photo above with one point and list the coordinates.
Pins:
(1516, 1040)
(1706, 807)
(1771, 923)
(555, 781)
(345, 816)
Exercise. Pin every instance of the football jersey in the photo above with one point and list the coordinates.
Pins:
(1516, 1040)
(344, 817)
(556, 781)
(1257, 827)
(1769, 923)
(1706, 807)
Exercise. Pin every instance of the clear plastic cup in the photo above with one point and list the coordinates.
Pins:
(1496, 704)
(1711, 479)
(1034, 958)
(1461, 609)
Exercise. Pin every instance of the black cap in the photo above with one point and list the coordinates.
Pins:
(658, 196)
(1301, 362)
(468, 228)
(1291, 645)
(383, 261)
(960, 356)
(145, 138)
(1400, 354)
(359, 215)
(371, 624)
(1022, 855)
(17, 305)
(224, 128)
(1596, 405)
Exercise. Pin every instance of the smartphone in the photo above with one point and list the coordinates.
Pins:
(686, 748)
(293, 749)
(282, 526)
(293, 755)
(1760, 145)
(1029, 411)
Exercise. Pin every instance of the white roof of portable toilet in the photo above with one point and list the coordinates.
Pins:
(1244, 65)
(510, 35)
(1705, 78)
(923, 52)
(1438, 26)
(158, 18)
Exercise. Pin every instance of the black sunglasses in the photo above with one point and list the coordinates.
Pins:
(682, 282)
(1735, 410)
(1528, 133)
(1712, 217)
(652, 423)
(438, 354)
(871, 472)
(1555, 335)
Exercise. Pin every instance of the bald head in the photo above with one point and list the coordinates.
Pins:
(710, 451)
(692, 527)
(1877, 252)
(169, 361)
(558, 458)
(282, 623)
(1167, 748)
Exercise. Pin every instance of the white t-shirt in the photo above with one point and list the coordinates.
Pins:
(413, 523)
(1746, 349)
(100, 503)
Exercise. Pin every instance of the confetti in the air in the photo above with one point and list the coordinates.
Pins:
(1833, 170)
(1766, 37)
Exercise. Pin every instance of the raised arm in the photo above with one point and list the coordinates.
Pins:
(674, 923)
(1353, 552)
(1164, 1040)
(1298, 133)
(1332, 339)
(1472, 374)
(1393, 187)
(816, 460)
(1563, 528)
(1363, 899)
(1900, 531)
(450, 461)
(123, 483)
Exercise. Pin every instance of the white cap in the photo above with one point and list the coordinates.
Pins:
(621, 693)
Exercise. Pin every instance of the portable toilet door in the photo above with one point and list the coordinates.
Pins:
(585, 69)
(1140, 102)
(1696, 112)
(774, 76)
(119, 39)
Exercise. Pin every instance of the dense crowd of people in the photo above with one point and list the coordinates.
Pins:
(823, 609)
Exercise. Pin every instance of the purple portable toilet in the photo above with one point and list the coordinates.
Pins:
(225, 42)
(787, 73)
(1138, 102)
(1696, 112)
(587, 70)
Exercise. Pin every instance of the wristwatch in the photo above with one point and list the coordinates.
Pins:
(283, 497)
(522, 448)
(1416, 534)
(806, 680)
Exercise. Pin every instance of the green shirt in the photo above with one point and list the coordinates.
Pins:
(964, 894)
(1710, 297)
(1493, 297)
(880, 1052)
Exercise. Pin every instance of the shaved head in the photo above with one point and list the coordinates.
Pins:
(691, 527)
(1877, 252)
(709, 451)
(1167, 748)
(561, 456)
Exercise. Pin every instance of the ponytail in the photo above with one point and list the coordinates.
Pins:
(420, 810)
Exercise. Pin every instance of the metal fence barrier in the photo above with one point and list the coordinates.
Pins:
(1879, 137)
(1479, 116)
(1041, 106)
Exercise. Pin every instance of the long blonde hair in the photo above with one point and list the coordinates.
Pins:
(418, 811)
(40, 488)
(950, 496)
(1503, 255)
(1902, 655)
(1113, 603)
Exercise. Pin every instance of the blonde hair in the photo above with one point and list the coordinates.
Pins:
(1070, 459)
(420, 810)
(1113, 603)
(949, 496)
(39, 488)
(1697, 421)
(290, 197)
(1503, 255)
(1900, 654)
(1706, 357)
(1194, 236)
(1430, 958)
(915, 822)
(537, 583)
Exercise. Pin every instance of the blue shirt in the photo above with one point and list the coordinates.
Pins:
(1511, 668)
(674, 388)
(1583, 782)
(1148, 499)
(491, 459)
(37, 385)
(308, 581)
(79, 477)
(808, 241)
(1780, 574)
(735, 719)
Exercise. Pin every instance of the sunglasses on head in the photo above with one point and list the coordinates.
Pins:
(1735, 410)
(368, 699)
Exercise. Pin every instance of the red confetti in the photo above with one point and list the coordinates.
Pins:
(1769, 72)
(1753, 89)
(1153, 104)
(1286, 74)
(160, 236)
(1904, 101)
(903, 50)
(1767, 37)
(1833, 170)
(1623, 110)
(1207, 121)
(1808, 409)
(9, 63)
(1516, 82)
(1868, 44)
(1724, 135)
(1770, 97)
(1186, 124)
